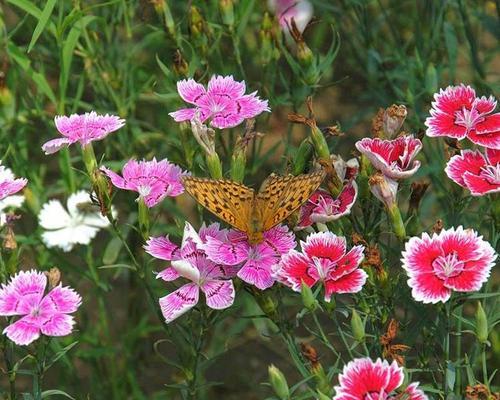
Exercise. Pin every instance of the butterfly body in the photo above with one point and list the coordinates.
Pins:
(250, 212)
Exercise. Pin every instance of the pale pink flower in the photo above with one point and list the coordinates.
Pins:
(363, 379)
(41, 314)
(9, 185)
(224, 102)
(153, 180)
(300, 10)
(453, 260)
(82, 128)
(477, 172)
(190, 262)
(324, 258)
(394, 158)
(457, 113)
(322, 206)
(255, 263)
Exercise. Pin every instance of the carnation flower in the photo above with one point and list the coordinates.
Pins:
(363, 379)
(324, 258)
(41, 314)
(477, 172)
(224, 102)
(84, 129)
(78, 224)
(457, 113)
(394, 158)
(153, 180)
(9, 185)
(322, 206)
(189, 261)
(255, 263)
(455, 259)
(300, 10)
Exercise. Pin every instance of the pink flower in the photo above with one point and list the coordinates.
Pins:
(189, 261)
(454, 259)
(24, 296)
(394, 158)
(9, 184)
(322, 206)
(323, 258)
(363, 379)
(300, 10)
(224, 102)
(153, 180)
(477, 172)
(84, 129)
(457, 113)
(254, 262)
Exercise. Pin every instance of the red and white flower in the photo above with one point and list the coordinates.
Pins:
(324, 258)
(363, 379)
(394, 158)
(453, 260)
(477, 172)
(457, 113)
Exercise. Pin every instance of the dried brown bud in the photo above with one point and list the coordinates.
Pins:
(54, 276)
(333, 130)
(383, 188)
(378, 123)
(438, 226)
(480, 392)
(418, 190)
(180, 64)
(394, 117)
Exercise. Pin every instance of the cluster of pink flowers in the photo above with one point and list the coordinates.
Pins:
(324, 258)
(41, 313)
(363, 379)
(224, 102)
(458, 113)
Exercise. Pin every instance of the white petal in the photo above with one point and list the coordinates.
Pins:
(80, 197)
(53, 216)
(11, 201)
(185, 269)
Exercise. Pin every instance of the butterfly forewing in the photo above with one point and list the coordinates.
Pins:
(230, 201)
(280, 196)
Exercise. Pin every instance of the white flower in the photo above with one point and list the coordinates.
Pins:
(14, 201)
(66, 228)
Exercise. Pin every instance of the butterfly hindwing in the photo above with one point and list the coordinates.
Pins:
(280, 196)
(228, 200)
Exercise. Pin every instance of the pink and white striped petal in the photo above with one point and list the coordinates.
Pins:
(219, 294)
(295, 268)
(60, 300)
(54, 145)
(23, 332)
(179, 302)
(57, 325)
(190, 91)
(169, 274)
(324, 245)
(226, 86)
(161, 247)
(184, 114)
(24, 289)
(352, 282)
(467, 161)
(257, 274)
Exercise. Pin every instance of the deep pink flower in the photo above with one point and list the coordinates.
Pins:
(254, 262)
(8, 182)
(324, 258)
(224, 102)
(300, 10)
(477, 172)
(189, 261)
(457, 113)
(454, 259)
(24, 296)
(363, 379)
(153, 180)
(82, 128)
(322, 206)
(394, 158)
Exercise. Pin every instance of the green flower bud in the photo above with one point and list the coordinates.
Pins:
(143, 217)
(278, 383)
(302, 157)
(481, 324)
(357, 327)
(321, 396)
(308, 297)
(227, 11)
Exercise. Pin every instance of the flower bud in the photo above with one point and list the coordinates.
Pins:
(302, 157)
(357, 327)
(180, 64)
(393, 119)
(481, 324)
(278, 383)
(383, 188)
(162, 9)
(308, 297)
(53, 276)
(227, 11)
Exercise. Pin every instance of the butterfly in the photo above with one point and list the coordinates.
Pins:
(250, 212)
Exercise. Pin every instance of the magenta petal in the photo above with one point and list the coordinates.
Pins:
(58, 325)
(184, 114)
(467, 161)
(162, 248)
(439, 124)
(485, 105)
(23, 331)
(177, 303)
(168, 274)
(251, 105)
(54, 145)
(348, 263)
(25, 289)
(219, 294)
(225, 120)
(490, 140)
(324, 245)
(10, 187)
(479, 185)
(294, 268)
(256, 274)
(428, 288)
(225, 86)
(493, 156)
(465, 243)
(350, 283)
(280, 239)
(490, 124)
(60, 300)
(226, 251)
(116, 179)
(190, 91)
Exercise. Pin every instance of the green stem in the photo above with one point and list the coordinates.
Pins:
(324, 338)
(447, 347)
(342, 336)
(484, 365)
(458, 352)
(397, 222)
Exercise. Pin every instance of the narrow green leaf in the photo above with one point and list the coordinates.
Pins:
(42, 22)
(55, 392)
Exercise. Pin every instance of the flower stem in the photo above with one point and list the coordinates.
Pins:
(458, 352)
(447, 347)
(484, 365)
(397, 222)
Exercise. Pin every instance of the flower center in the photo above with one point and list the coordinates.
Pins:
(468, 118)
(35, 312)
(447, 266)
(491, 173)
(144, 190)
